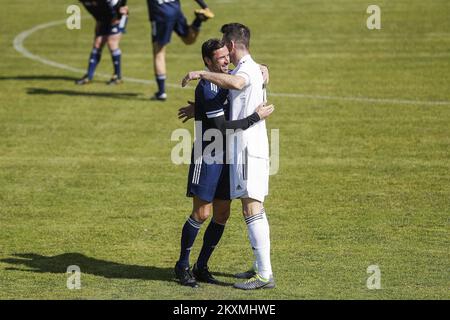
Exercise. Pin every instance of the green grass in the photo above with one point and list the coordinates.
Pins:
(86, 177)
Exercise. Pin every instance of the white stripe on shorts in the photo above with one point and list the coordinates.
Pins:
(197, 169)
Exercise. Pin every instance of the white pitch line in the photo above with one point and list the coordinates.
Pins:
(360, 99)
(19, 47)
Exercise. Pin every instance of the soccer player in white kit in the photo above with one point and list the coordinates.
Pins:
(249, 154)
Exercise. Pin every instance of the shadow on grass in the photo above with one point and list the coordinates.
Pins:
(113, 95)
(108, 269)
(40, 77)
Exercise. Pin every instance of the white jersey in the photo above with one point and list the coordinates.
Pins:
(249, 169)
(244, 103)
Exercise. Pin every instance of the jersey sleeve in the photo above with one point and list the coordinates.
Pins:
(214, 99)
(222, 124)
(242, 72)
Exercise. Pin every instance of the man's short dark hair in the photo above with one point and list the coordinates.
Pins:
(236, 32)
(210, 46)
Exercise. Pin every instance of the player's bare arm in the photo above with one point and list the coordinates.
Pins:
(223, 80)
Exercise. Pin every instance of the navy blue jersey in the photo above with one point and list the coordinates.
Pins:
(208, 180)
(163, 10)
(104, 10)
(211, 101)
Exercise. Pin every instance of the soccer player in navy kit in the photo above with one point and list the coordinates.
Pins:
(208, 181)
(166, 16)
(111, 17)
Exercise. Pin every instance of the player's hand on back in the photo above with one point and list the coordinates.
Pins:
(264, 110)
(187, 112)
(193, 75)
(265, 73)
(123, 10)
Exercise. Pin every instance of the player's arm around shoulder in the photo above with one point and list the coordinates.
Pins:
(223, 80)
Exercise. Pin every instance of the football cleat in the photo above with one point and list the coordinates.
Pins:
(203, 275)
(204, 14)
(114, 80)
(159, 96)
(256, 282)
(185, 276)
(84, 80)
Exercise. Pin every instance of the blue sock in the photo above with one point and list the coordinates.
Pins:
(188, 235)
(161, 81)
(94, 60)
(116, 54)
(202, 3)
(210, 240)
(196, 24)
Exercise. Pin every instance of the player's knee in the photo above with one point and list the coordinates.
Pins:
(158, 49)
(202, 217)
(222, 218)
(201, 214)
(188, 40)
(113, 45)
(99, 44)
(190, 37)
(252, 209)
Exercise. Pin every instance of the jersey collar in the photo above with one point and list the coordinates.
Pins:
(244, 59)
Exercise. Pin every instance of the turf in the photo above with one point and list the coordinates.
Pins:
(86, 177)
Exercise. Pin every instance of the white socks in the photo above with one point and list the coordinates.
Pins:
(259, 236)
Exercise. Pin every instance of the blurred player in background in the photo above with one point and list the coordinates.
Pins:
(208, 179)
(166, 16)
(111, 18)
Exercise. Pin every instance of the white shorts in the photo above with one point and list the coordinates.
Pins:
(250, 179)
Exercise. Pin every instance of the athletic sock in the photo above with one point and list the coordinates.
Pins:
(255, 266)
(116, 55)
(210, 240)
(188, 235)
(202, 3)
(94, 60)
(161, 81)
(259, 235)
(196, 24)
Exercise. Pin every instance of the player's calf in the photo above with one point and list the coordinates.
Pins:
(191, 36)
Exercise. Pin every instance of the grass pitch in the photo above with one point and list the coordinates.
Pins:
(364, 119)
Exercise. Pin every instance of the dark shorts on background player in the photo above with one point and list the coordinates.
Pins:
(108, 29)
(209, 181)
(162, 30)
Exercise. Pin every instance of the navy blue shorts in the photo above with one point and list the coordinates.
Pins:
(162, 30)
(209, 181)
(108, 29)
